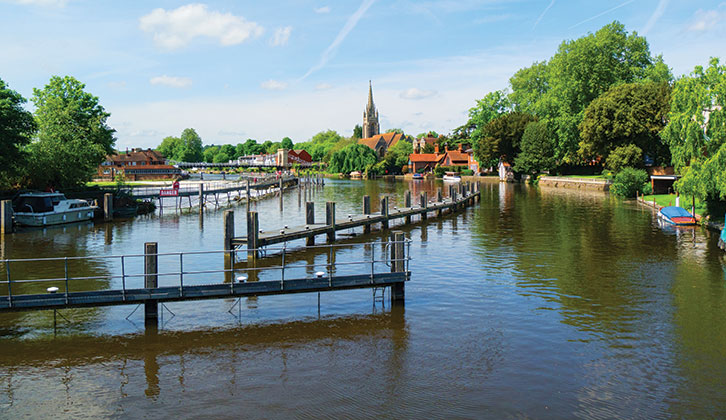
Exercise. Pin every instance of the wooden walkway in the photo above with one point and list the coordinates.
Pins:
(461, 195)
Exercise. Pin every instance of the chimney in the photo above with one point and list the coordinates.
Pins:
(461, 147)
(436, 148)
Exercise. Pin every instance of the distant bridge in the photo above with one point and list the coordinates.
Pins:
(238, 164)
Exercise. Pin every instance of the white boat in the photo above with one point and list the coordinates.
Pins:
(451, 177)
(50, 208)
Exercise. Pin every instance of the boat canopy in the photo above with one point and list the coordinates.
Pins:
(673, 211)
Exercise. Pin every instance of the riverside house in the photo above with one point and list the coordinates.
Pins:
(136, 165)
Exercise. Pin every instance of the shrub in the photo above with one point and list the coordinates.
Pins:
(625, 156)
(467, 172)
(629, 181)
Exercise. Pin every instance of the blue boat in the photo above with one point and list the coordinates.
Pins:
(677, 216)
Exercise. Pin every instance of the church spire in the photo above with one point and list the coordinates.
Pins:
(370, 97)
(370, 116)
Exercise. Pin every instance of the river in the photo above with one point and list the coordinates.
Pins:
(541, 303)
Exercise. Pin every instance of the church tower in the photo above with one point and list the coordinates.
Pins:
(370, 116)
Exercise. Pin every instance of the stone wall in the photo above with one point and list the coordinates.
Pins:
(576, 183)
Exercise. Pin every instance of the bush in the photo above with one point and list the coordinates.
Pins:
(467, 172)
(625, 156)
(629, 181)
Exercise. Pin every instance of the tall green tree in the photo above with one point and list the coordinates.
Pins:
(286, 143)
(696, 132)
(397, 156)
(501, 137)
(209, 153)
(321, 145)
(631, 113)
(537, 149)
(580, 71)
(190, 147)
(487, 109)
(17, 127)
(168, 147)
(357, 132)
(73, 136)
(355, 157)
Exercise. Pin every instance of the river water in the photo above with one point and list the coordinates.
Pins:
(540, 303)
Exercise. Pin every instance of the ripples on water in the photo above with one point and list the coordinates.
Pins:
(534, 303)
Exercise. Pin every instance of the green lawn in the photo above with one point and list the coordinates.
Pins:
(670, 200)
(113, 184)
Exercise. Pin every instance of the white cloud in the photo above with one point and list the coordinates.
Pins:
(323, 86)
(171, 81)
(273, 85)
(417, 94)
(177, 28)
(324, 9)
(281, 36)
(704, 20)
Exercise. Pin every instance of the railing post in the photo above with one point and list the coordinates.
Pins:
(424, 201)
(397, 265)
(367, 211)
(65, 270)
(253, 225)
(330, 220)
(108, 207)
(151, 281)
(6, 217)
(310, 220)
(407, 205)
(384, 212)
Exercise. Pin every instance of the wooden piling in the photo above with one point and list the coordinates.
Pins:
(310, 220)
(384, 212)
(253, 225)
(367, 211)
(228, 226)
(249, 195)
(280, 193)
(108, 207)
(439, 199)
(201, 198)
(398, 265)
(6, 216)
(424, 203)
(151, 281)
(330, 220)
(407, 205)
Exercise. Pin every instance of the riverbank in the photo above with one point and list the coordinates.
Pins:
(587, 183)
(657, 205)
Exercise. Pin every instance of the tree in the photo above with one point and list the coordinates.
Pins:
(355, 157)
(286, 143)
(222, 156)
(271, 147)
(229, 150)
(625, 156)
(168, 147)
(696, 132)
(428, 148)
(397, 156)
(73, 137)
(579, 72)
(538, 149)
(501, 137)
(395, 130)
(321, 144)
(628, 114)
(209, 153)
(357, 132)
(487, 109)
(190, 147)
(17, 127)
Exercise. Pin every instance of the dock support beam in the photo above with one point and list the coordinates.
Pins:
(253, 225)
(367, 211)
(330, 220)
(310, 220)
(398, 265)
(108, 207)
(424, 202)
(6, 216)
(151, 281)
(384, 212)
(407, 205)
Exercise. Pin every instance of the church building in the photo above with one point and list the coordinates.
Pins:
(370, 116)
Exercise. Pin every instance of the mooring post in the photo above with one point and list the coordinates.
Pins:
(367, 211)
(439, 200)
(253, 224)
(201, 197)
(424, 202)
(398, 264)
(310, 220)
(151, 281)
(248, 194)
(407, 204)
(330, 220)
(228, 226)
(454, 196)
(280, 193)
(299, 201)
(6, 216)
(108, 207)
(384, 212)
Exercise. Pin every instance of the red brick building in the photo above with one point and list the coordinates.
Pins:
(137, 164)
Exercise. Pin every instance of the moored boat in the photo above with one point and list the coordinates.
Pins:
(418, 176)
(451, 177)
(50, 208)
(677, 216)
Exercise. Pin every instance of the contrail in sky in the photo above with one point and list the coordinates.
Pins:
(603, 13)
(552, 3)
(332, 48)
(657, 13)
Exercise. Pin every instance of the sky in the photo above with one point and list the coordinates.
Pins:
(234, 70)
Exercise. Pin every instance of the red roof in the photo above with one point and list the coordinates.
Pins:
(390, 138)
(424, 157)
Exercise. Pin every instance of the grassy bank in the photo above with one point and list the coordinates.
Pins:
(664, 200)
(113, 183)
